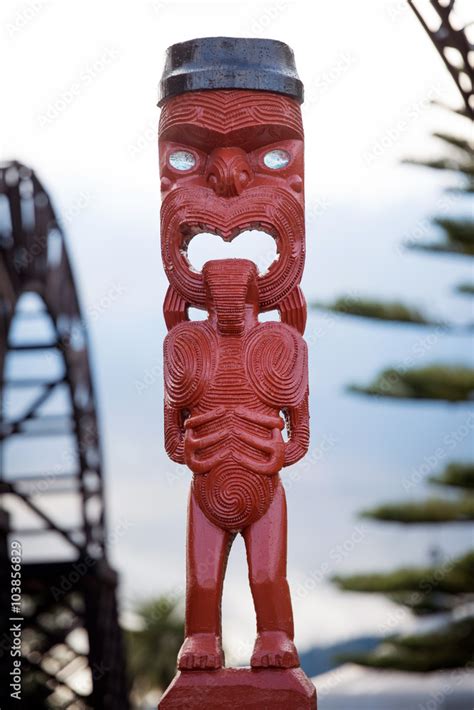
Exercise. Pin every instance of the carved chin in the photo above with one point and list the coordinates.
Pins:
(186, 212)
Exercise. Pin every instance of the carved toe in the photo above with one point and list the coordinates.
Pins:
(274, 649)
(201, 652)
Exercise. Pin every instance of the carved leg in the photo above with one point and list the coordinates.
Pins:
(265, 542)
(207, 551)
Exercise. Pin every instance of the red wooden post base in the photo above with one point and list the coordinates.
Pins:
(240, 689)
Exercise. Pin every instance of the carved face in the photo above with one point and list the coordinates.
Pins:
(231, 161)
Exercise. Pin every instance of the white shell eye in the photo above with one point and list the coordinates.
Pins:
(182, 160)
(276, 159)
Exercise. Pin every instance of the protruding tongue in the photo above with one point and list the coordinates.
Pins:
(227, 284)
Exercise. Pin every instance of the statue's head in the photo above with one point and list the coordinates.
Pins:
(231, 157)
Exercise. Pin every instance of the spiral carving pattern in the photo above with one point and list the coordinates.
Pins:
(228, 176)
(276, 364)
(190, 359)
(231, 497)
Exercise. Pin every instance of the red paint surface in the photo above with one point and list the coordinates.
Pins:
(232, 384)
(229, 132)
(240, 689)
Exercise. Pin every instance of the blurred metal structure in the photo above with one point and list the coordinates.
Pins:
(72, 655)
(452, 43)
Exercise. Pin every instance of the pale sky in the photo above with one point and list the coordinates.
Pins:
(81, 85)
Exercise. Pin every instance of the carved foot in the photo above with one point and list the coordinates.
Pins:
(274, 649)
(201, 652)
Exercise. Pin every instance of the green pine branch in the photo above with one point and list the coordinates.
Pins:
(459, 233)
(459, 159)
(465, 289)
(461, 111)
(434, 510)
(454, 577)
(458, 237)
(464, 145)
(441, 247)
(450, 646)
(435, 382)
(393, 311)
(465, 189)
(425, 603)
(456, 474)
(452, 164)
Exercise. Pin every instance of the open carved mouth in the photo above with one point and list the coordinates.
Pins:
(201, 244)
(266, 226)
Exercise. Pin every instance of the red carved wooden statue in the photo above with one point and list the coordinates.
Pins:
(231, 159)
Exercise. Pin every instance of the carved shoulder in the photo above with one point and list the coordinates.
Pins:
(276, 363)
(190, 359)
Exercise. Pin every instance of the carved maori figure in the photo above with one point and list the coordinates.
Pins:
(231, 159)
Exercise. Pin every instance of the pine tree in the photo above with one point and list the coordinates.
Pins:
(444, 589)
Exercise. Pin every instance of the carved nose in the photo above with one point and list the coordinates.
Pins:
(228, 171)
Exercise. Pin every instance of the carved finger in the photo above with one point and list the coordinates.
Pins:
(264, 420)
(199, 419)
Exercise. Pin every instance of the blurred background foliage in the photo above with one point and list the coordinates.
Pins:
(153, 647)
(445, 590)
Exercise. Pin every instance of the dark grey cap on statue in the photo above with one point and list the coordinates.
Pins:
(230, 63)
